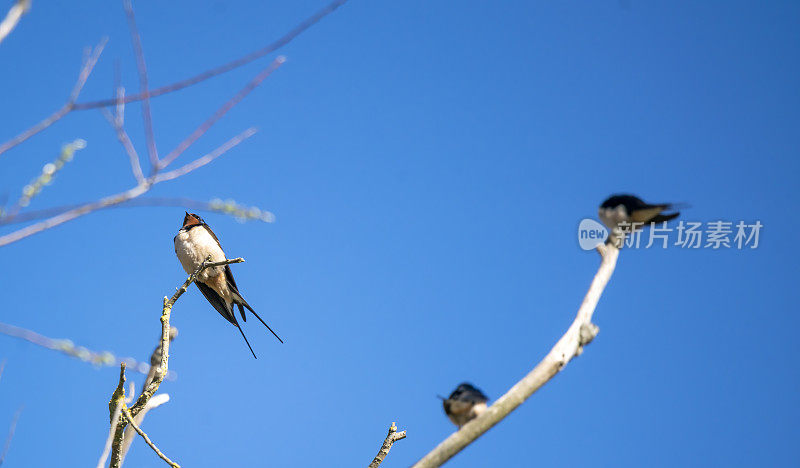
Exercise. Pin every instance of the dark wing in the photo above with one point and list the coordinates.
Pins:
(223, 309)
(228, 273)
(469, 393)
(474, 397)
(238, 299)
(233, 287)
(217, 301)
(630, 202)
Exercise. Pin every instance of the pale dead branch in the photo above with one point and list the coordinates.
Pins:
(579, 334)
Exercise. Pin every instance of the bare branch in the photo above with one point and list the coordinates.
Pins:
(127, 439)
(129, 418)
(13, 16)
(148, 183)
(172, 87)
(202, 161)
(70, 106)
(117, 403)
(155, 361)
(72, 214)
(11, 429)
(118, 124)
(105, 202)
(237, 98)
(86, 70)
(228, 207)
(104, 358)
(580, 333)
(392, 437)
(147, 115)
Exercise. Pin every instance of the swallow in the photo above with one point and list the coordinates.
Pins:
(623, 208)
(194, 243)
(464, 404)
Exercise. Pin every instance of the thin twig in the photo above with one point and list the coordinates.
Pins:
(145, 186)
(127, 440)
(72, 214)
(229, 207)
(103, 358)
(118, 124)
(141, 66)
(117, 402)
(237, 98)
(232, 65)
(203, 160)
(129, 418)
(155, 362)
(579, 334)
(79, 211)
(13, 16)
(392, 437)
(86, 70)
(172, 87)
(101, 463)
(11, 429)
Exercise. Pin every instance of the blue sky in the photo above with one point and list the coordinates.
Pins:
(428, 164)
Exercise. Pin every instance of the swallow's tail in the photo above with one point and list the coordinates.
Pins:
(245, 340)
(239, 300)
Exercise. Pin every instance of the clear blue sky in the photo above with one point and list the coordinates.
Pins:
(428, 164)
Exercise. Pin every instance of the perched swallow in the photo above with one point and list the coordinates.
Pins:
(194, 243)
(464, 404)
(630, 209)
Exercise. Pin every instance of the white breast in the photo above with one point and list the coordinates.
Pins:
(194, 246)
(612, 217)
